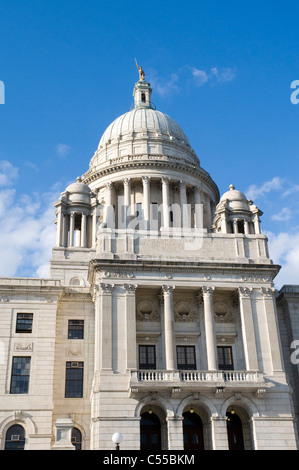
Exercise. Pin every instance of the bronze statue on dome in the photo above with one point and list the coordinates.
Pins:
(141, 71)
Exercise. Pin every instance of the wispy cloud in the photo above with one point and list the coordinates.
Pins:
(63, 150)
(27, 233)
(284, 250)
(255, 191)
(283, 215)
(188, 76)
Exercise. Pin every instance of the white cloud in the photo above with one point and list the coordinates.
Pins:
(284, 215)
(200, 76)
(8, 173)
(63, 150)
(254, 191)
(223, 75)
(284, 250)
(189, 76)
(27, 232)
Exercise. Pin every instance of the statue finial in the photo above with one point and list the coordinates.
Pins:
(141, 71)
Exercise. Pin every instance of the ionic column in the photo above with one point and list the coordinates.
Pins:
(72, 228)
(210, 328)
(94, 227)
(249, 342)
(170, 353)
(108, 218)
(127, 199)
(257, 227)
(165, 201)
(146, 200)
(198, 208)
(83, 231)
(184, 206)
(59, 228)
(103, 327)
(271, 319)
(131, 325)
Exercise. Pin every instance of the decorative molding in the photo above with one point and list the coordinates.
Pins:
(21, 347)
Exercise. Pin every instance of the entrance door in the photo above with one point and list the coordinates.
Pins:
(150, 432)
(193, 432)
(234, 432)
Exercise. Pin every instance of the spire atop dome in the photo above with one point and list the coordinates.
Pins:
(142, 94)
(141, 71)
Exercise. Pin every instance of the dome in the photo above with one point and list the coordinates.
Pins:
(235, 199)
(143, 132)
(79, 192)
(78, 187)
(147, 119)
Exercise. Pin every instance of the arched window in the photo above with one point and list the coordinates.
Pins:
(77, 438)
(15, 438)
(234, 431)
(143, 98)
(150, 432)
(193, 431)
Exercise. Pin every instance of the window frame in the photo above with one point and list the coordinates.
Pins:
(74, 386)
(186, 365)
(19, 319)
(226, 366)
(147, 365)
(14, 376)
(69, 330)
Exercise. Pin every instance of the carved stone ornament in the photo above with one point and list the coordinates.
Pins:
(222, 312)
(183, 311)
(146, 311)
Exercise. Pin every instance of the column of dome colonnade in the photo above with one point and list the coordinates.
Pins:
(120, 210)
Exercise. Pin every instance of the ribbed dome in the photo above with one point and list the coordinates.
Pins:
(143, 119)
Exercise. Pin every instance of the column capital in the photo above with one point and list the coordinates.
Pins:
(145, 179)
(127, 181)
(109, 185)
(245, 292)
(267, 292)
(167, 290)
(130, 288)
(207, 290)
(104, 288)
(165, 179)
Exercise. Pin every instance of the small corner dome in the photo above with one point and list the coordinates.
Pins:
(236, 200)
(78, 187)
(79, 192)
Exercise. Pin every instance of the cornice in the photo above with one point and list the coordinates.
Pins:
(92, 175)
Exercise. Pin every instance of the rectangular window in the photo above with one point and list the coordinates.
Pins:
(74, 380)
(147, 357)
(186, 357)
(20, 375)
(139, 211)
(225, 358)
(76, 329)
(24, 322)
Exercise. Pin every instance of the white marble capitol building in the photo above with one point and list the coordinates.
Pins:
(159, 320)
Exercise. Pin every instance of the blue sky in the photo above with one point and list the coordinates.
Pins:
(222, 70)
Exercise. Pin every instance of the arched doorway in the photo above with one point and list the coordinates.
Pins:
(15, 438)
(150, 432)
(193, 431)
(234, 431)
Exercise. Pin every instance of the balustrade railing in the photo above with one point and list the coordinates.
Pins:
(198, 376)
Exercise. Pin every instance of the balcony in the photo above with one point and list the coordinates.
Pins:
(196, 380)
